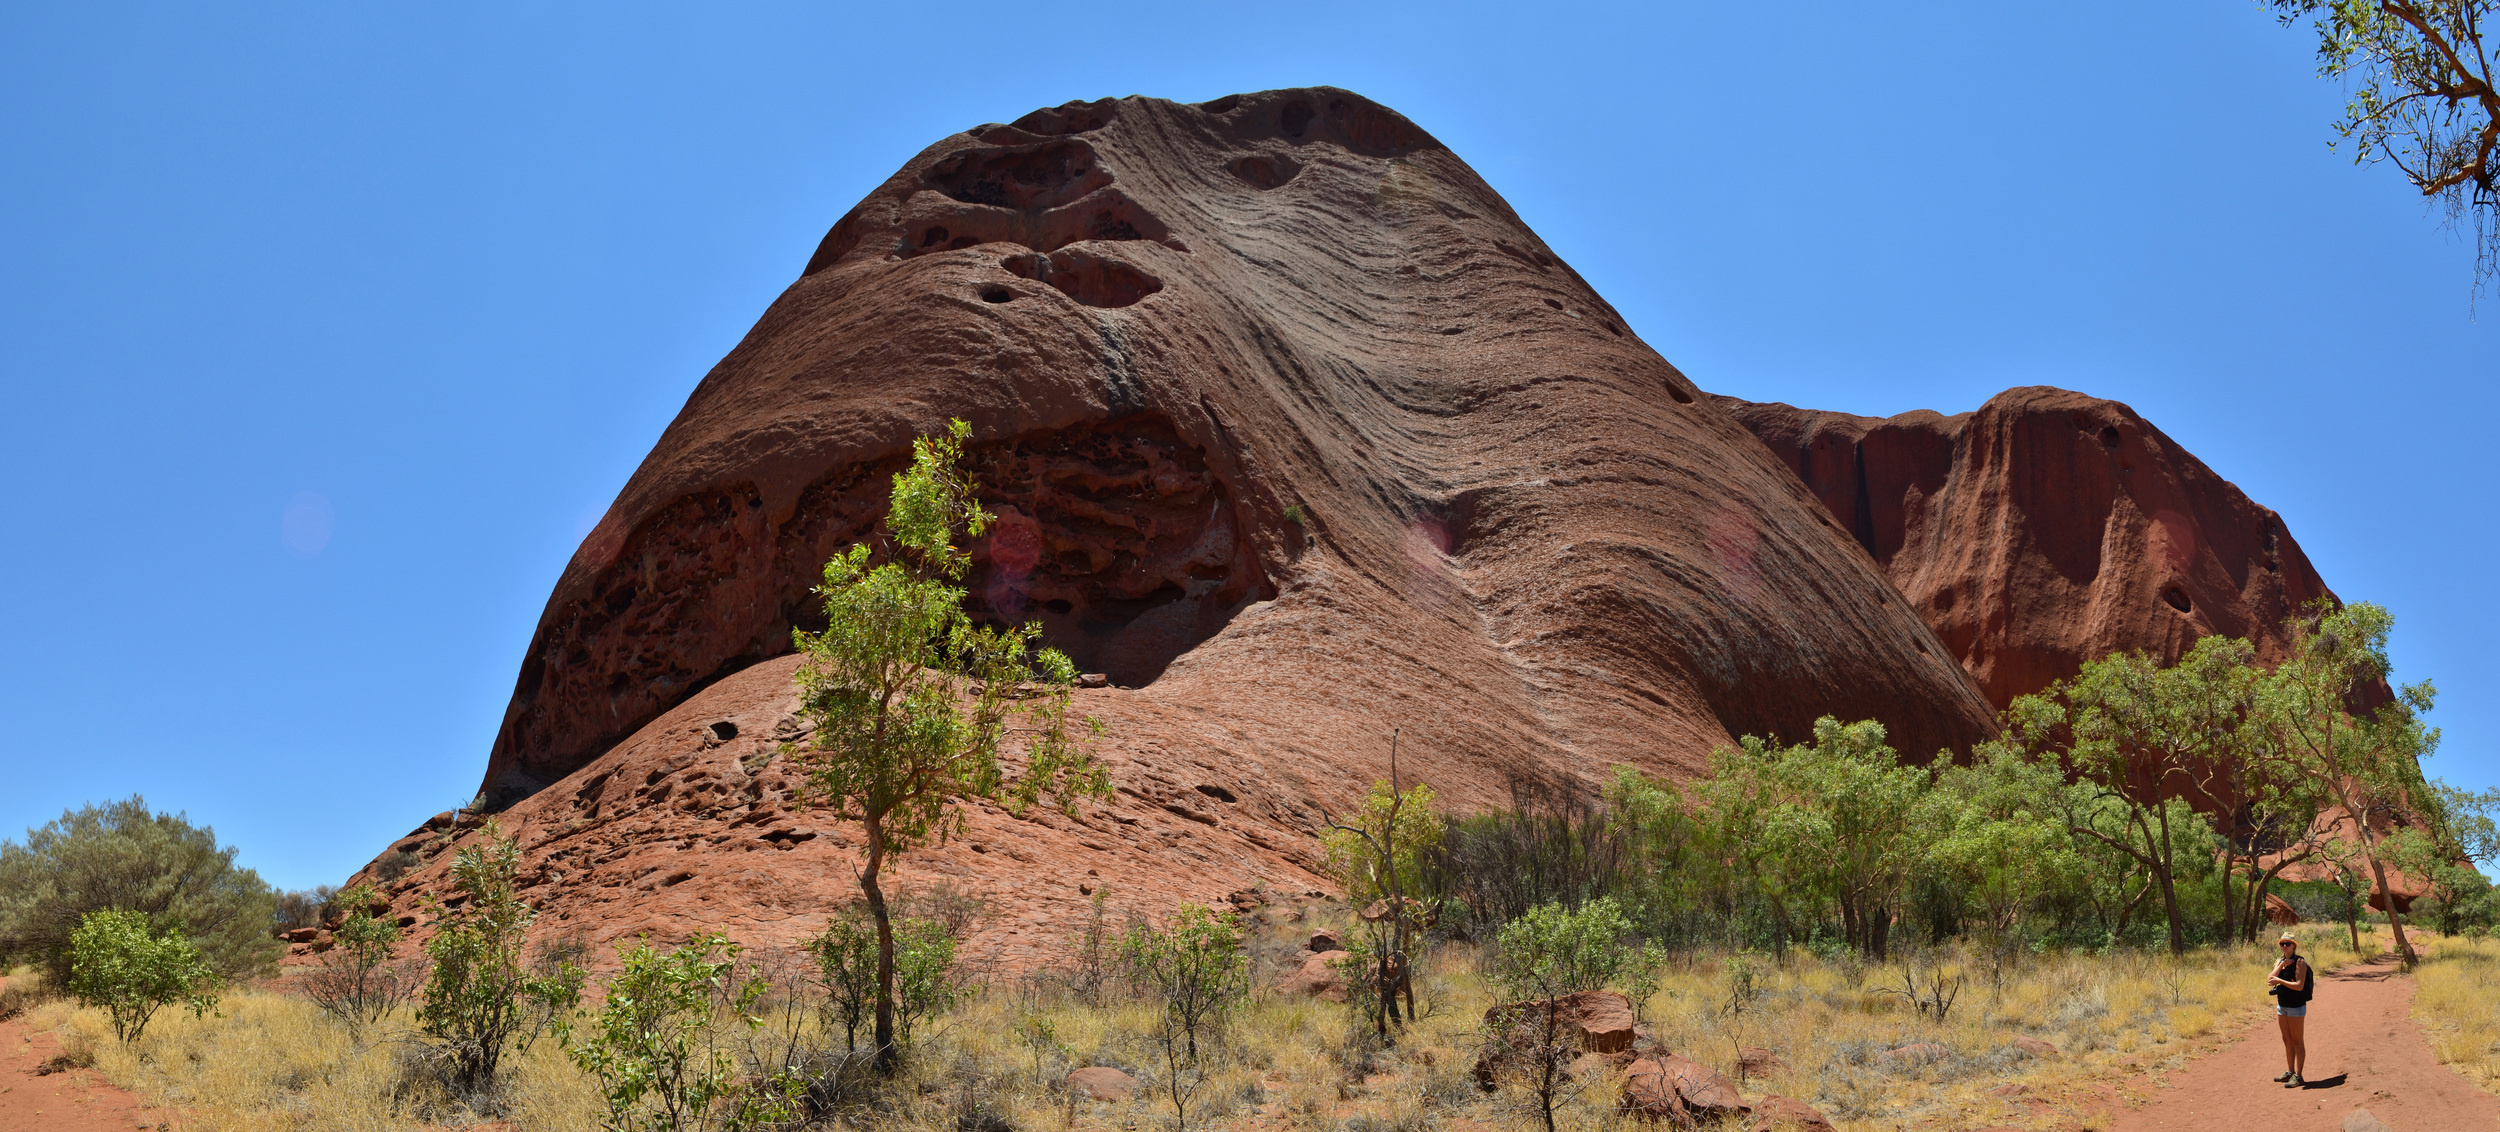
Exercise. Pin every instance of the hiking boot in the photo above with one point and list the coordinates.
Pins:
(2292, 1082)
(2282, 1077)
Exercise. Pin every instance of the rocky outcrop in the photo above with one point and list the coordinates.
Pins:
(1296, 435)
(2045, 529)
(1523, 535)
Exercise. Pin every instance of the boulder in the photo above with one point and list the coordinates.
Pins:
(1325, 940)
(1782, 1114)
(1101, 1083)
(1915, 1053)
(2280, 911)
(1754, 1061)
(2034, 1046)
(1315, 978)
(1681, 1090)
(1591, 1021)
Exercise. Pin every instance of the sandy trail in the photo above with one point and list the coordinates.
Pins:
(36, 1096)
(2364, 1054)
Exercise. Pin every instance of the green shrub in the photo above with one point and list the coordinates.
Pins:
(122, 857)
(654, 1048)
(481, 1000)
(116, 963)
(1551, 951)
(356, 982)
(924, 972)
(1195, 969)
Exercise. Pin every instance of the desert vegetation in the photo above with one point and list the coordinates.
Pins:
(1817, 929)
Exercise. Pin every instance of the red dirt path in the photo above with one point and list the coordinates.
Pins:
(2364, 1053)
(67, 1100)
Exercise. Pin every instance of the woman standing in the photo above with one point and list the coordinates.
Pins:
(2291, 985)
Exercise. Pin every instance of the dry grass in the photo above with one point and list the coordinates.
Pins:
(267, 1061)
(2456, 999)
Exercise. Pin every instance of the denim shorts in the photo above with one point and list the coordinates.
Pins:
(2300, 1011)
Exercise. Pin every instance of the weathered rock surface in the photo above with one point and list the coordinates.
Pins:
(1681, 1090)
(1527, 538)
(1296, 434)
(1317, 977)
(2045, 529)
(1101, 1083)
(1782, 1114)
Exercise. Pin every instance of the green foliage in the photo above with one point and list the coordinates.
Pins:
(1194, 969)
(846, 952)
(481, 1000)
(124, 857)
(1830, 822)
(2001, 843)
(2423, 98)
(1554, 951)
(1352, 850)
(652, 1044)
(913, 702)
(356, 982)
(116, 963)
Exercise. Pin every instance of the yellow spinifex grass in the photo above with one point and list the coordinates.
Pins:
(2456, 1000)
(270, 1061)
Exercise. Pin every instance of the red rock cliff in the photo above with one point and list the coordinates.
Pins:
(2046, 529)
(1530, 542)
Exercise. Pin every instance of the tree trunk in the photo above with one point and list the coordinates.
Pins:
(2230, 907)
(2395, 923)
(888, 1057)
(2169, 891)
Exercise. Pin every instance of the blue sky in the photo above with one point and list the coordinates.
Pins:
(327, 330)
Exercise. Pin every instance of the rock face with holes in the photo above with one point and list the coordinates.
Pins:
(2045, 529)
(1300, 439)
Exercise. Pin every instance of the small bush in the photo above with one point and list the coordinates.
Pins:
(356, 982)
(116, 964)
(480, 1000)
(124, 857)
(924, 972)
(306, 907)
(395, 864)
(661, 1067)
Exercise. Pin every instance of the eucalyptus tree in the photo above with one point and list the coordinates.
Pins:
(2423, 98)
(914, 702)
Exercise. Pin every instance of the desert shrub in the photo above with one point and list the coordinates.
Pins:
(661, 1065)
(1491, 868)
(480, 1000)
(118, 964)
(924, 972)
(1197, 973)
(395, 864)
(1552, 951)
(356, 981)
(306, 907)
(123, 857)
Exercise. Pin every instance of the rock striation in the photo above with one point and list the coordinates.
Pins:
(2045, 529)
(1297, 435)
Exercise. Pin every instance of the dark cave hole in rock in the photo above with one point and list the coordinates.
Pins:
(1264, 172)
(2109, 436)
(1297, 117)
(1613, 329)
(933, 237)
(1556, 304)
(724, 731)
(2178, 599)
(1218, 793)
(993, 293)
(1069, 118)
(1028, 177)
(1678, 394)
(1096, 281)
(1944, 600)
(1118, 538)
(1224, 105)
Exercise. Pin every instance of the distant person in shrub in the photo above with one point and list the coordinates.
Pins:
(2291, 984)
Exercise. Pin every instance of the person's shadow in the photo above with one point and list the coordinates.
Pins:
(2335, 1081)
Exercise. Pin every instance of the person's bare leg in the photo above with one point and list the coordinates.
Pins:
(2291, 1041)
(2295, 1045)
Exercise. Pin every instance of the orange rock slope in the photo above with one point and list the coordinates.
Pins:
(1298, 434)
(2046, 529)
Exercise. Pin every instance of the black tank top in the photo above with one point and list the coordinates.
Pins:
(2299, 995)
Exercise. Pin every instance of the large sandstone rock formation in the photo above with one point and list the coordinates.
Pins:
(2046, 529)
(1298, 433)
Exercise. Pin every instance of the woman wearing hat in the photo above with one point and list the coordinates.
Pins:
(2291, 983)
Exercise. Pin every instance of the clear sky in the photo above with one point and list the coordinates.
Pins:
(327, 330)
